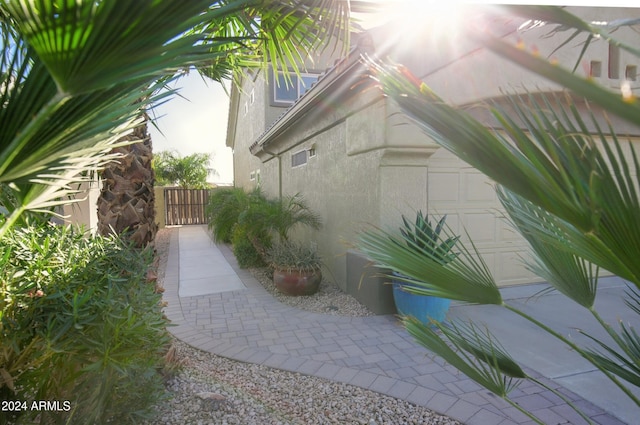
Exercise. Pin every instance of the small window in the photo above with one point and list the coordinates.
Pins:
(631, 73)
(288, 92)
(299, 158)
(312, 152)
(595, 70)
(252, 175)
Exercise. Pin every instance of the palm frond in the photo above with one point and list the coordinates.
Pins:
(553, 252)
(480, 356)
(625, 366)
(280, 34)
(566, 21)
(633, 299)
(89, 46)
(548, 157)
(278, 216)
(72, 72)
(626, 108)
(466, 278)
(477, 354)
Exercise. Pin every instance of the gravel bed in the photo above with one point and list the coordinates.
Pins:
(209, 389)
(213, 390)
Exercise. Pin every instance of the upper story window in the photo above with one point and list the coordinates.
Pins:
(286, 92)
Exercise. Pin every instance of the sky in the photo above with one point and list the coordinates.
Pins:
(195, 121)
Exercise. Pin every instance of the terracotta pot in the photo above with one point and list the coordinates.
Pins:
(297, 282)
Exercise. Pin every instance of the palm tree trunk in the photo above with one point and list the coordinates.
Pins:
(126, 205)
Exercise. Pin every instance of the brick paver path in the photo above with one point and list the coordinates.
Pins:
(375, 353)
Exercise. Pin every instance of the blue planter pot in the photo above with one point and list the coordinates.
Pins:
(423, 307)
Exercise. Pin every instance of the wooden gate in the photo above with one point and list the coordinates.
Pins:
(185, 206)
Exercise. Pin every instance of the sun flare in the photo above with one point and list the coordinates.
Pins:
(416, 14)
(434, 26)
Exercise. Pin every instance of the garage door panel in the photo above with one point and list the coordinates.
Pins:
(469, 199)
(481, 226)
(476, 187)
(444, 186)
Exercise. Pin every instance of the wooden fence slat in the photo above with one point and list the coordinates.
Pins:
(185, 206)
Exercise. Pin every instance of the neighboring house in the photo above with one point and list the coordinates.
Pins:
(359, 162)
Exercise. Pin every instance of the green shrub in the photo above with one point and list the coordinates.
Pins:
(278, 217)
(244, 250)
(224, 208)
(79, 323)
(250, 221)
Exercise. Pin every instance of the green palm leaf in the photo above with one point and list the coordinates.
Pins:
(466, 278)
(568, 22)
(568, 186)
(553, 252)
(633, 300)
(75, 74)
(546, 157)
(278, 216)
(88, 46)
(496, 370)
(478, 355)
(627, 365)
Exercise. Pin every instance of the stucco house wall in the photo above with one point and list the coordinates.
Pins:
(371, 164)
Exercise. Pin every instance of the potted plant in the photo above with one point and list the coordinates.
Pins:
(296, 268)
(423, 238)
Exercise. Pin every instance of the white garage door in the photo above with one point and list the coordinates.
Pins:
(470, 202)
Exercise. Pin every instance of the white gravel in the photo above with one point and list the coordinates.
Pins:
(209, 389)
(213, 390)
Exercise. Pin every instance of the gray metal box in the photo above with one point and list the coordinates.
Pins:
(366, 284)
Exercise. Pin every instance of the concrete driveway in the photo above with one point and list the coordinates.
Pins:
(537, 350)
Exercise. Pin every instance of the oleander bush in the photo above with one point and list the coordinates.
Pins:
(79, 323)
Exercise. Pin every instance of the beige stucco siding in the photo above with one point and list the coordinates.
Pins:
(343, 190)
(250, 123)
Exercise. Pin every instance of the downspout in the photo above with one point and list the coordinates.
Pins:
(279, 156)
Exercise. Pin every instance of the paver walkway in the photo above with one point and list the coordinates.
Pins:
(242, 321)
